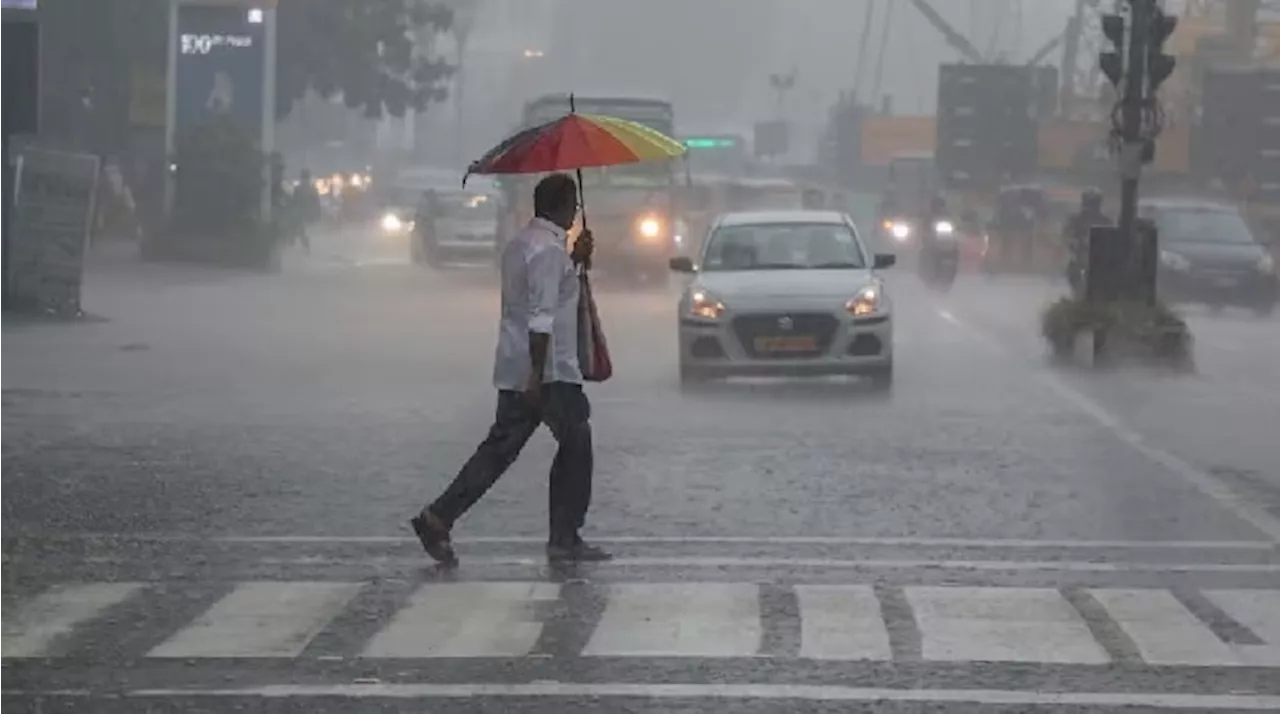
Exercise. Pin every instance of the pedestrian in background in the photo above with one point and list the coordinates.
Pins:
(539, 381)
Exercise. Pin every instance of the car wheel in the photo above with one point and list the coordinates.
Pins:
(691, 377)
(431, 256)
(881, 378)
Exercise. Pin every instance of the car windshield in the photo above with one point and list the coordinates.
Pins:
(468, 207)
(784, 246)
(1203, 225)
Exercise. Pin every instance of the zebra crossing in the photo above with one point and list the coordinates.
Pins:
(835, 623)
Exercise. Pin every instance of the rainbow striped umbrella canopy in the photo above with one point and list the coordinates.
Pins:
(577, 141)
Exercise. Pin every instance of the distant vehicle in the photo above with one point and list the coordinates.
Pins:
(913, 182)
(632, 209)
(1209, 255)
(399, 198)
(463, 228)
(785, 293)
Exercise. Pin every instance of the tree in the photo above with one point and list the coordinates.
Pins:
(366, 51)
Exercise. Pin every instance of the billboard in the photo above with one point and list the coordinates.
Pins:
(884, 137)
(221, 66)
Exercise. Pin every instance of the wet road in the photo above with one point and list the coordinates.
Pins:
(205, 494)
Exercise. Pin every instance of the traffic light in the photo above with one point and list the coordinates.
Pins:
(1112, 63)
(1159, 64)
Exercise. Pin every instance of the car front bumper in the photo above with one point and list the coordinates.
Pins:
(1228, 288)
(727, 347)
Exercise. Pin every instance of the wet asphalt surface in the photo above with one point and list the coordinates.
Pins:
(215, 429)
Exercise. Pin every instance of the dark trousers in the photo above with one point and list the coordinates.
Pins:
(565, 410)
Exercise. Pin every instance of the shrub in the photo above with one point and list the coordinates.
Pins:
(218, 187)
(1130, 331)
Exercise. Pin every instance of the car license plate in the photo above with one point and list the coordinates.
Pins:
(789, 343)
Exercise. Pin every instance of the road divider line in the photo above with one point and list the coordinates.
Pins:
(794, 692)
(1206, 483)
(817, 563)
(871, 541)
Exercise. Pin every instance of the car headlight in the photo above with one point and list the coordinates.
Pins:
(1173, 261)
(865, 303)
(391, 222)
(1267, 264)
(649, 227)
(704, 305)
(944, 228)
(900, 230)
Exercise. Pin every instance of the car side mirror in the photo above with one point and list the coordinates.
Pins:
(885, 260)
(682, 264)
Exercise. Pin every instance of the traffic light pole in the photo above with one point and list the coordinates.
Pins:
(1131, 110)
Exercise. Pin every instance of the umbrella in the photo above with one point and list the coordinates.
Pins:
(575, 142)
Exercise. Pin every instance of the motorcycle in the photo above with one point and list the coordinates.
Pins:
(939, 260)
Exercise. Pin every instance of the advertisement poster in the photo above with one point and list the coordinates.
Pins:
(221, 66)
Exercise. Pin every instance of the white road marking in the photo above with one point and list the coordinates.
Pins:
(465, 620)
(31, 629)
(1208, 484)
(987, 624)
(922, 542)
(797, 692)
(1258, 610)
(1165, 631)
(679, 620)
(261, 619)
(816, 563)
(841, 622)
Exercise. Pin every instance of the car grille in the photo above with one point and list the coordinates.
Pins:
(751, 328)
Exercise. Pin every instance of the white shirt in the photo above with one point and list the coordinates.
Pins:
(539, 294)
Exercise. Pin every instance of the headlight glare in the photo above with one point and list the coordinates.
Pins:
(944, 228)
(705, 306)
(392, 222)
(865, 303)
(900, 230)
(649, 227)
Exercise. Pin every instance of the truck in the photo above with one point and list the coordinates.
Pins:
(633, 209)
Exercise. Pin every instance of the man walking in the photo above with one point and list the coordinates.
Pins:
(539, 381)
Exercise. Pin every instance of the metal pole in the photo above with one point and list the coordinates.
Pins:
(7, 200)
(1131, 117)
(170, 107)
(268, 105)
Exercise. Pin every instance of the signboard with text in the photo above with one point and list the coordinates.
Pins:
(56, 194)
(221, 66)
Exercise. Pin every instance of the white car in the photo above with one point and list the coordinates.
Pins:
(785, 293)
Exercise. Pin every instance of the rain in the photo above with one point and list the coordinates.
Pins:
(893, 356)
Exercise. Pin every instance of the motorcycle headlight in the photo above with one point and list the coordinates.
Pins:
(1173, 261)
(392, 223)
(1267, 264)
(649, 227)
(865, 303)
(944, 228)
(900, 230)
(704, 305)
